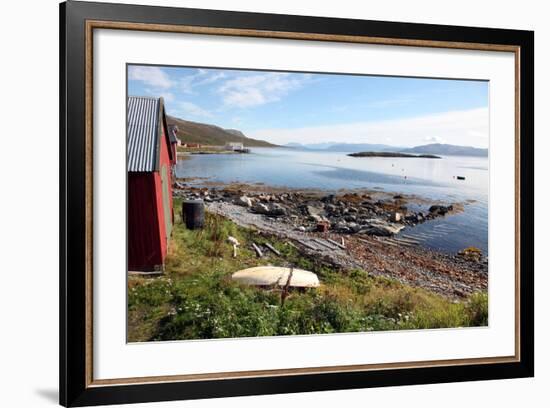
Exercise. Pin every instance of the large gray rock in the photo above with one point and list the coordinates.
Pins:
(273, 210)
(330, 208)
(244, 201)
(354, 227)
(396, 216)
(260, 208)
(440, 209)
(315, 213)
(381, 228)
(276, 210)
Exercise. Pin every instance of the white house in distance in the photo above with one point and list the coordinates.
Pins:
(234, 146)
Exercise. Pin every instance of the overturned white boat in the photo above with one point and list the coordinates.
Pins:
(276, 276)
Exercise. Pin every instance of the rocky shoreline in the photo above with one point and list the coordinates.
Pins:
(351, 230)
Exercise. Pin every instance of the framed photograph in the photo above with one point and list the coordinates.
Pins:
(256, 204)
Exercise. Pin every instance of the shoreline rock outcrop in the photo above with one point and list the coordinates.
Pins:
(383, 215)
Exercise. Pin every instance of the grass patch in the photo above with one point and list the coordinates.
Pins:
(196, 298)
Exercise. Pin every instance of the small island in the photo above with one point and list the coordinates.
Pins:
(394, 154)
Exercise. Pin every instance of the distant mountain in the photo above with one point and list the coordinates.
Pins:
(310, 146)
(194, 132)
(360, 147)
(447, 150)
(295, 145)
(343, 147)
(235, 132)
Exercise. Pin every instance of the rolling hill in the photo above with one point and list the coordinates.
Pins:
(447, 150)
(430, 149)
(194, 132)
(341, 147)
(360, 147)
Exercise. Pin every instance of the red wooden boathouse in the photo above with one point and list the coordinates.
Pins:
(150, 208)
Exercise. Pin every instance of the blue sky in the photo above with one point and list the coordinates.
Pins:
(316, 108)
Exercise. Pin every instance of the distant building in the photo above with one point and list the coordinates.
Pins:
(191, 145)
(150, 208)
(234, 146)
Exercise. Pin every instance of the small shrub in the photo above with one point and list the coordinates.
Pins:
(477, 309)
(471, 253)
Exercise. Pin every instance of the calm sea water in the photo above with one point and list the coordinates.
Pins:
(429, 178)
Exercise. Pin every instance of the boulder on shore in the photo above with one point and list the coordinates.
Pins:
(276, 210)
(440, 209)
(273, 210)
(244, 201)
(315, 213)
(396, 217)
(260, 208)
(381, 228)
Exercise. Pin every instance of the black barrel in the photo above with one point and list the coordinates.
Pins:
(193, 213)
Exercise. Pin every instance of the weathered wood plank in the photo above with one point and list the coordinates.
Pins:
(412, 238)
(258, 250)
(400, 243)
(324, 244)
(339, 245)
(272, 249)
(307, 245)
(406, 240)
(291, 244)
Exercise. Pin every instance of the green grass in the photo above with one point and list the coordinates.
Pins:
(196, 298)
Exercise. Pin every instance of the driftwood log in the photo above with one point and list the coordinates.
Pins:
(258, 250)
(272, 249)
(339, 245)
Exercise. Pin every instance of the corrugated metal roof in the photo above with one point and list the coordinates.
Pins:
(143, 133)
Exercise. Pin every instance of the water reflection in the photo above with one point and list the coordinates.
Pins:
(431, 178)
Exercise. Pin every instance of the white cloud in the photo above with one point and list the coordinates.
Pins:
(259, 89)
(201, 77)
(466, 128)
(168, 96)
(152, 76)
(190, 109)
(210, 78)
(433, 139)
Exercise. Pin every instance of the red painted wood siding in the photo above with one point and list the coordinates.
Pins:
(147, 241)
(144, 243)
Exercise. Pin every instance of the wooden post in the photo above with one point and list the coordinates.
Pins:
(284, 293)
